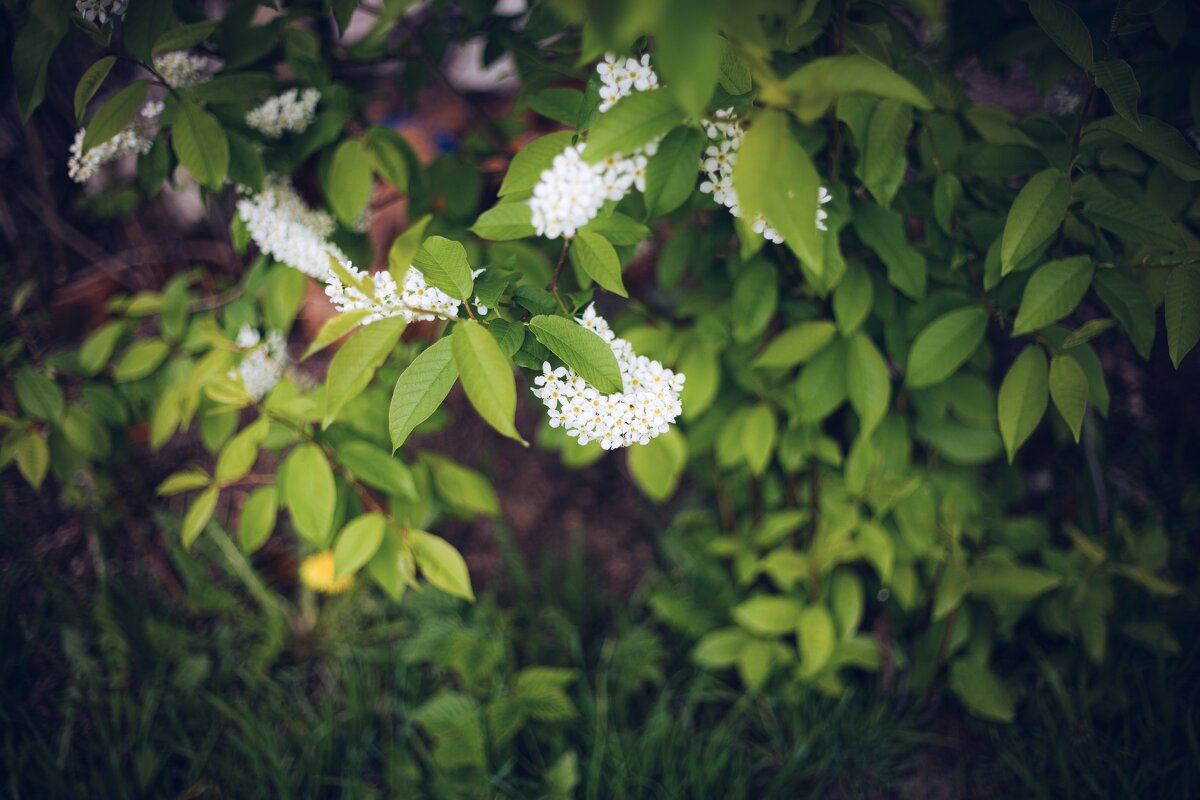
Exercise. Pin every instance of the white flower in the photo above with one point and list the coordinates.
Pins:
(292, 111)
(152, 110)
(181, 70)
(101, 10)
(81, 165)
(568, 195)
(288, 230)
(415, 300)
(646, 407)
(263, 366)
(622, 77)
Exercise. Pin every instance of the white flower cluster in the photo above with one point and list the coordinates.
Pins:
(292, 111)
(101, 10)
(646, 407)
(285, 228)
(726, 133)
(181, 70)
(621, 77)
(263, 366)
(416, 300)
(571, 193)
(81, 165)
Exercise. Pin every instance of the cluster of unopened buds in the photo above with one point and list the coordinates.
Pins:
(290, 112)
(101, 10)
(646, 406)
(263, 366)
(181, 70)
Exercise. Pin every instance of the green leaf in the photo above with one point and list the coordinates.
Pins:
(1182, 311)
(1052, 293)
(1157, 139)
(335, 328)
(33, 457)
(1136, 222)
(441, 564)
(85, 433)
(1131, 306)
(200, 144)
(393, 566)
(97, 349)
(687, 52)
(981, 690)
(883, 231)
(36, 42)
(775, 177)
(1088, 331)
(443, 262)
(759, 428)
(1069, 390)
(116, 114)
(559, 104)
(821, 387)
(184, 36)
(404, 248)
(768, 615)
(198, 515)
(349, 180)
(823, 80)
(597, 258)
(947, 194)
(89, 83)
(355, 362)
(420, 389)
(852, 299)
(1116, 78)
(140, 359)
(486, 377)
(1065, 29)
(143, 23)
(183, 481)
(632, 122)
(389, 155)
(719, 648)
(581, 350)
(796, 345)
(505, 222)
(755, 297)
(735, 76)
(463, 487)
(1034, 217)
(657, 467)
(1023, 397)
(39, 396)
(883, 160)
(310, 493)
(816, 636)
(246, 165)
(671, 171)
(357, 544)
(240, 453)
(703, 370)
(868, 383)
(527, 166)
(257, 518)
(618, 228)
(943, 345)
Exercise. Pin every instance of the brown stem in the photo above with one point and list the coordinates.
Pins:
(558, 268)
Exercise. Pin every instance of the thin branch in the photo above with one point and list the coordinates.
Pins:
(558, 268)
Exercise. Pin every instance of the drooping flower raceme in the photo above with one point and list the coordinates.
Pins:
(284, 227)
(81, 165)
(292, 111)
(101, 10)
(646, 407)
(263, 366)
(181, 70)
(726, 134)
(415, 300)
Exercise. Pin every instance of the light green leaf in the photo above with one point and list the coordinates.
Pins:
(404, 248)
(1065, 29)
(441, 564)
(257, 518)
(1157, 139)
(140, 359)
(98, 348)
(719, 648)
(758, 437)
(463, 487)
(981, 690)
(947, 194)
(1069, 390)
(39, 396)
(349, 180)
(581, 350)
(310, 493)
(821, 387)
(768, 615)
(796, 345)
(671, 171)
(198, 515)
(357, 543)
(657, 467)
(1052, 293)
(1182, 311)
(183, 481)
(868, 383)
(735, 76)
(33, 457)
(443, 262)
(633, 121)
(884, 158)
(240, 452)
(775, 177)
(823, 80)
(335, 328)
(376, 467)
(116, 114)
(1088, 331)
(703, 370)
(389, 156)
(355, 362)
(1116, 78)
(393, 566)
(486, 377)
(420, 389)
(687, 52)
(1023, 397)
(883, 231)
(816, 636)
(943, 345)
(89, 83)
(597, 258)
(200, 144)
(557, 103)
(852, 299)
(1034, 217)
(505, 222)
(527, 165)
